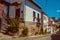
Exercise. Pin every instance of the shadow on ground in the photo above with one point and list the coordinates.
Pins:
(55, 37)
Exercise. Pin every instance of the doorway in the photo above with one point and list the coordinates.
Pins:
(17, 13)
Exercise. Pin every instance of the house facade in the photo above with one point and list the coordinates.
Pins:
(27, 11)
(45, 22)
(52, 25)
(33, 19)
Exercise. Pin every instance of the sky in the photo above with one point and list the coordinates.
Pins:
(50, 7)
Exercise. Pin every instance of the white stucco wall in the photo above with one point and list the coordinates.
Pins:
(45, 19)
(29, 8)
(45, 22)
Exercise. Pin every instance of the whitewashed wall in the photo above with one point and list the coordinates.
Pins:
(29, 8)
(45, 19)
(45, 22)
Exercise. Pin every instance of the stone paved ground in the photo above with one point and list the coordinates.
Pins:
(5, 37)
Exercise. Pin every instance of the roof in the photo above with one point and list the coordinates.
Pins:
(12, 1)
(4, 2)
(35, 4)
(45, 14)
(15, 2)
(7, 3)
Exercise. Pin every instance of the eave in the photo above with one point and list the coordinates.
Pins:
(34, 4)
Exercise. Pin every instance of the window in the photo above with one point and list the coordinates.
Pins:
(34, 16)
(5, 11)
(22, 14)
(38, 18)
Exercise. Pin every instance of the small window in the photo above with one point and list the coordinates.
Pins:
(34, 16)
(5, 11)
(38, 17)
(22, 14)
(21, 11)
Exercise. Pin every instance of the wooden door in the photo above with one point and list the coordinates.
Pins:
(17, 12)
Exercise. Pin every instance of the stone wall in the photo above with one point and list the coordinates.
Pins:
(32, 28)
(21, 25)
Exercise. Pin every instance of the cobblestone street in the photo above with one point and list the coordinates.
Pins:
(5, 37)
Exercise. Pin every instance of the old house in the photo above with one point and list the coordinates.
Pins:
(28, 11)
(52, 25)
(45, 22)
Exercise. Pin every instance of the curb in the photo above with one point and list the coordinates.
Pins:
(40, 35)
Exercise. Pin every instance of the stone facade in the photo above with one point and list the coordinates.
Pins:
(32, 28)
